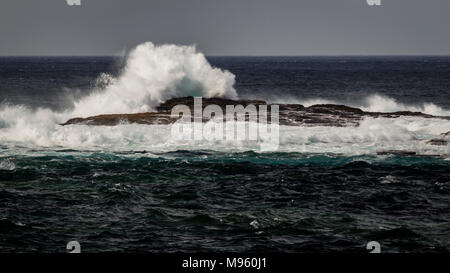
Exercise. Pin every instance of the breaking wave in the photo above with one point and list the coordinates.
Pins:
(373, 103)
(154, 74)
(371, 136)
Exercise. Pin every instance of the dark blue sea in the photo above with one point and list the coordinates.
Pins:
(132, 188)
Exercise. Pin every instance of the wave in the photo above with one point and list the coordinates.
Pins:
(7, 165)
(371, 136)
(372, 103)
(153, 74)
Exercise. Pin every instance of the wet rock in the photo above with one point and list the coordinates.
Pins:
(396, 152)
(436, 141)
(443, 139)
(116, 119)
(289, 114)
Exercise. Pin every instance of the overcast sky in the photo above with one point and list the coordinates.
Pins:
(226, 27)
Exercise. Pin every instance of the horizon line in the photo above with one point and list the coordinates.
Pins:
(312, 55)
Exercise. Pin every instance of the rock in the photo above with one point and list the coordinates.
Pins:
(189, 101)
(116, 119)
(335, 109)
(437, 141)
(443, 140)
(289, 114)
(396, 152)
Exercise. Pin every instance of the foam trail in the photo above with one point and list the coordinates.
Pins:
(373, 103)
(372, 135)
(378, 103)
(154, 74)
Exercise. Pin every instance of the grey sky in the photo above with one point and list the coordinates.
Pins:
(226, 27)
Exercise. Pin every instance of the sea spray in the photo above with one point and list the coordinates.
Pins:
(369, 103)
(154, 74)
(238, 123)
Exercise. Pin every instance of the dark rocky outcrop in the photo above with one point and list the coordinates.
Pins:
(116, 119)
(189, 101)
(435, 141)
(289, 114)
(442, 140)
(396, 152)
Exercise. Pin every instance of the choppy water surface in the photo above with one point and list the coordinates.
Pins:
(134, 188)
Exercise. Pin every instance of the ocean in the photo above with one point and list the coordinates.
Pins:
(132, 188)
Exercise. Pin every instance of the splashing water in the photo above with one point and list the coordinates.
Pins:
(373, 103)
(154, 74)
(137, 180)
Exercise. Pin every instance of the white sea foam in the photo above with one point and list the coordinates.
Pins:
(373, 103)
(156, 73)
(372, 135)
(7, 165)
